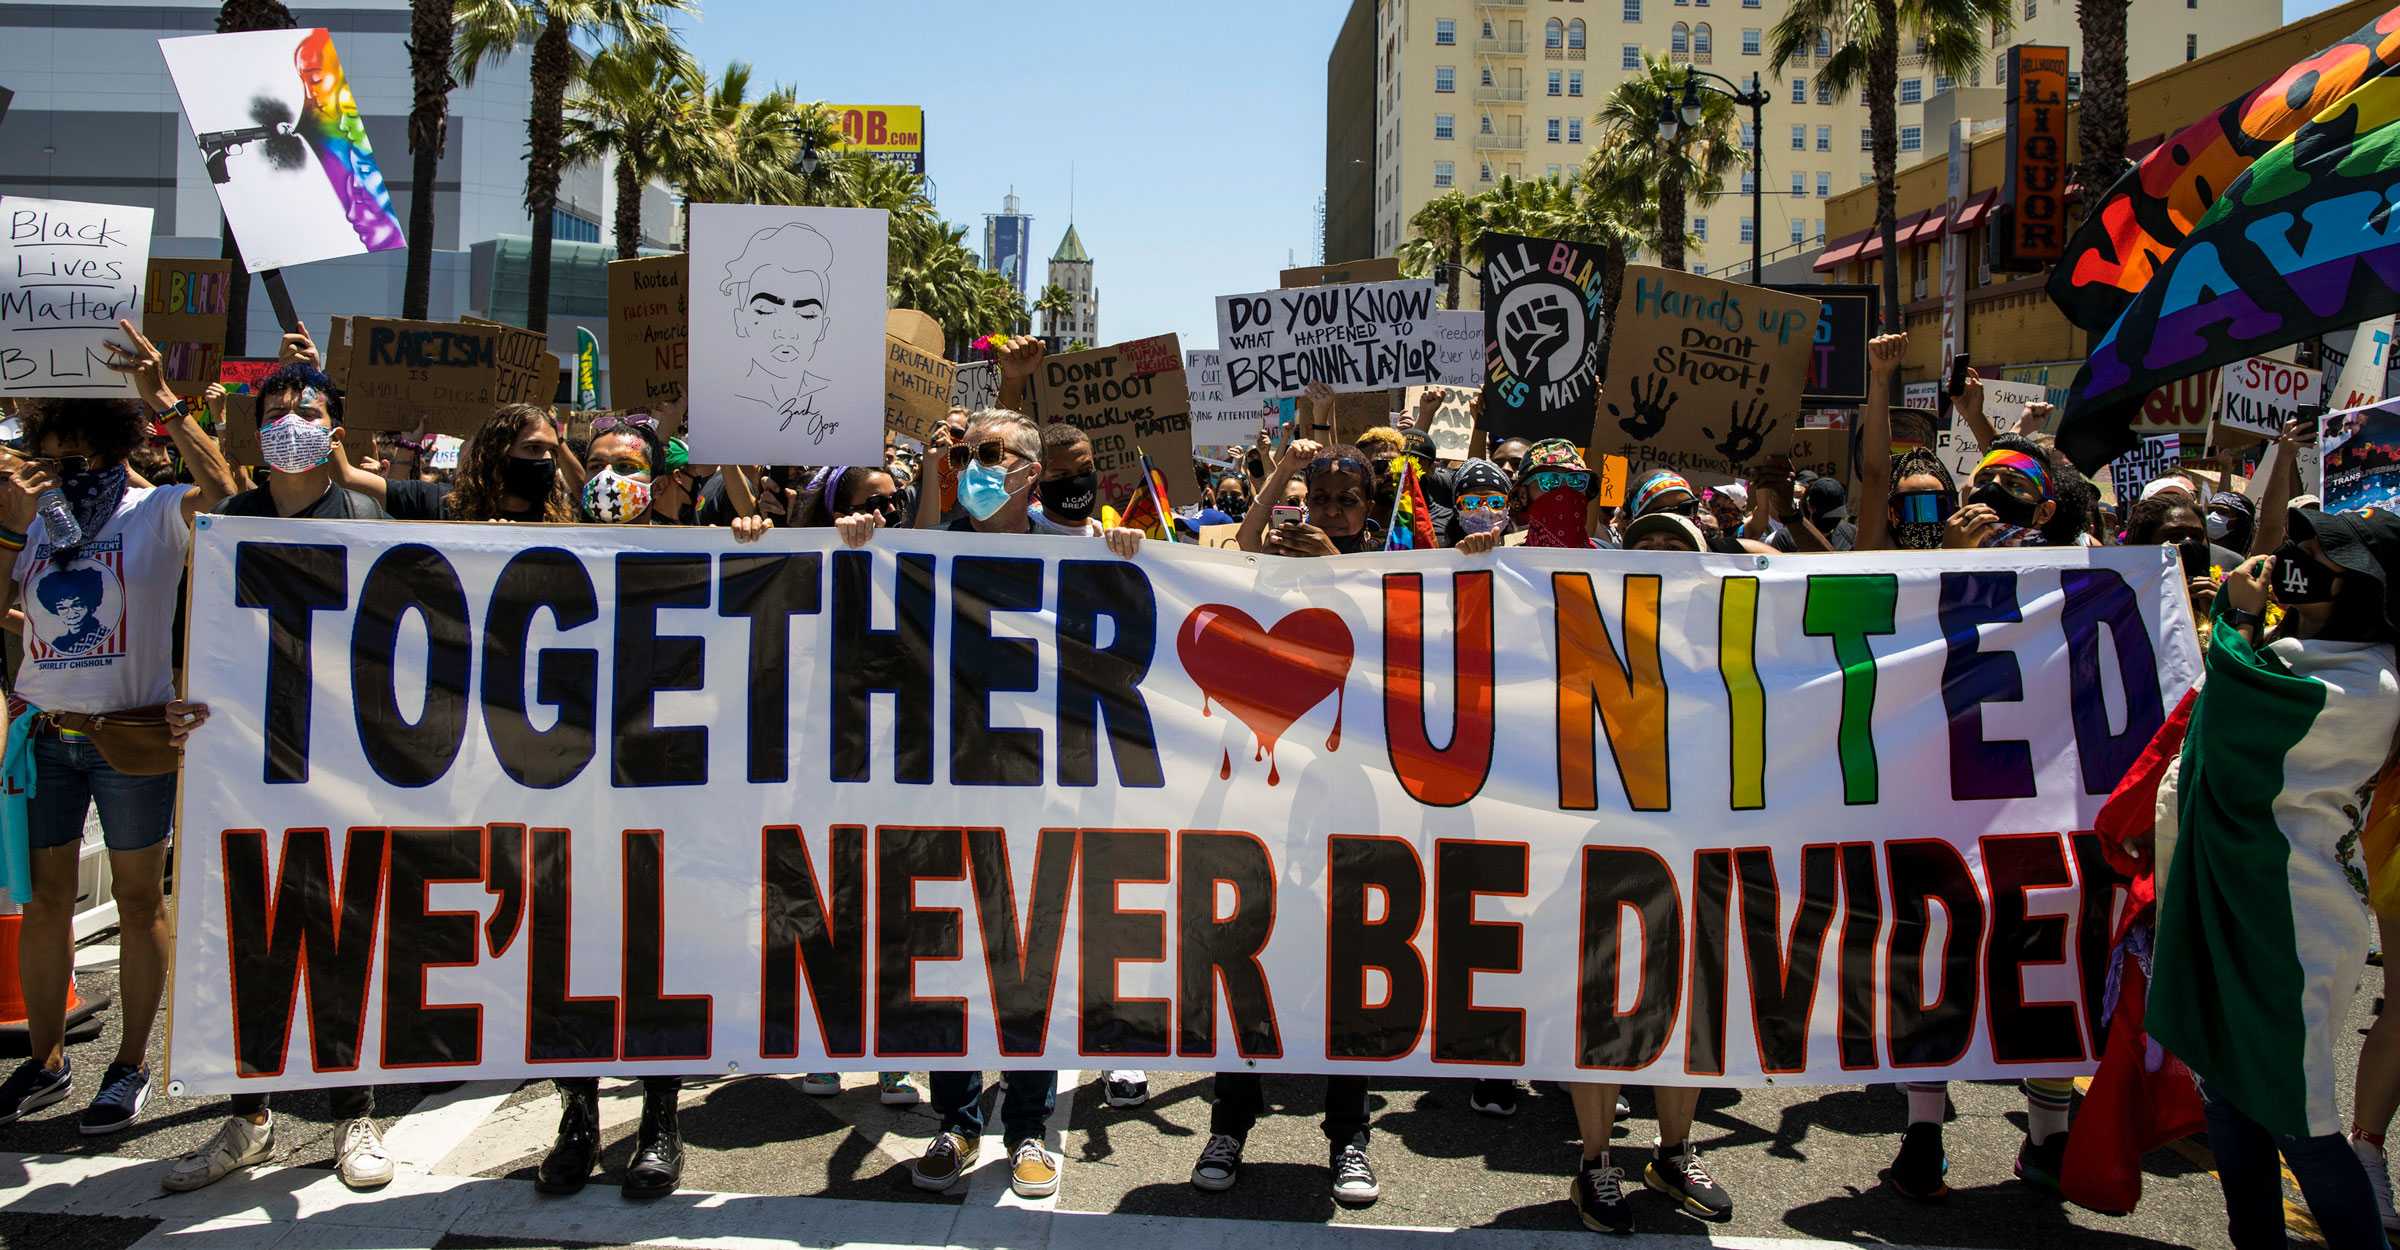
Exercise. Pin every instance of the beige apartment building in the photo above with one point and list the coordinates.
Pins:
(1464, 92)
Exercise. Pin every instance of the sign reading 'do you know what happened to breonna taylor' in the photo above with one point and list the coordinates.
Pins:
(787, 334)
(284, 145)
(1542, 325)
(1360, 336)
(1704, 376)
(833, 825)
(69, 273)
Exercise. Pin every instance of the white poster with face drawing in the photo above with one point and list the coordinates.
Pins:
(787, 322)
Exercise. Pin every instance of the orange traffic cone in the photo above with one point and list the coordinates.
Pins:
(80, 1022)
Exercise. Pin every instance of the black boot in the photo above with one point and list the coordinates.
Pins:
(657, 1166)
(569, 1163)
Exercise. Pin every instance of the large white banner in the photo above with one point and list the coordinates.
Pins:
(499, 801)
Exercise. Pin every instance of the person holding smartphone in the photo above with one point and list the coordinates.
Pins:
(1337, 486)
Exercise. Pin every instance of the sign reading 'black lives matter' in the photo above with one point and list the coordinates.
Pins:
(1542, 324)
(508, 801)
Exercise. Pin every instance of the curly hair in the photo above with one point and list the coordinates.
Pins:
(2148, 516)
(477, 491)
(296, 376)
(109, 429)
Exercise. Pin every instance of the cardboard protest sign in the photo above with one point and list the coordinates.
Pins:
(1837, 359)
(2365, 367)
(447, 377)
(1371, 269)
(69, 273)
(1824, 452)
(238, 436)
(2159, 454)
(2361, 459)
(183, 315)
(787, 345)
(1614, 470)
(1459, 348)
(917, 380)
(2256, 396)
(1224, 536)
(1453, 423)
(1703, 375)
(649, 330)
(1357, 337)
(1542, 325)
(1130, 398)
(1218, 419)
(975, 386)
(284, 145)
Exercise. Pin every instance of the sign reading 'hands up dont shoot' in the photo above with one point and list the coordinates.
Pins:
(1704, 377)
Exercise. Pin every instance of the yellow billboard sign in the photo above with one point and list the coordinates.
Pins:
(887, 132)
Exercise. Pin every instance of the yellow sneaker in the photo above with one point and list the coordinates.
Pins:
(1033, 1174)
(946, 1162)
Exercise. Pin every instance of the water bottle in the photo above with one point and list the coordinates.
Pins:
(58, 520)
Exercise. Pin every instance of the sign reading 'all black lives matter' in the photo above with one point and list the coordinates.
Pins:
(1542, 324)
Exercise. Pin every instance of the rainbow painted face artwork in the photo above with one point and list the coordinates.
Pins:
(334, 131)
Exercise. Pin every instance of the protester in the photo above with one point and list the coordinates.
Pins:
(2231, 519)
(1338, 486)
(1510, 456)
(1069, 488)
(1553, 497)
(2174, 520)
(1481, 507)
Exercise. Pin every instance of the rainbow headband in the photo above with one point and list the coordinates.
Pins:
(2016, 461)
(1657, 486)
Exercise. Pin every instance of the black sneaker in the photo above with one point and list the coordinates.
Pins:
(124, 1089)
(2039, 1166)
(1220, 1164)
(1353, 1179)
(1598, 1192)
(1918, 1169)
(32, 1087)
(1676, 1172)
(1128, 1093)
(1497, 1099)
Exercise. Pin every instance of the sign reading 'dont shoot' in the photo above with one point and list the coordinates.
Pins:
(1365, 336)
(1704, 376)
(447, 375)
(1130, 398)
(649, 330)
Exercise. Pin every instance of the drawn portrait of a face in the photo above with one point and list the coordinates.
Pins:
(779, 286)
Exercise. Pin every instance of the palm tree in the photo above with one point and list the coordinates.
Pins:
(1630, 157)
(2100, 115)
(644, 104)
(431, 35)
(232, 16)
(491, 30)
(1053, 303)
(1864, 36)
(1439, 237)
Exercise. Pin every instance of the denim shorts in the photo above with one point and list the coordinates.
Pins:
(69, 777)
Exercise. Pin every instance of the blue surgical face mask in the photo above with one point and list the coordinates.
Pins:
(983, 490)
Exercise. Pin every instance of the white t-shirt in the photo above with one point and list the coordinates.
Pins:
(99, 631)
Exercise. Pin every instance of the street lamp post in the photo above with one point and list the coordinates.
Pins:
(1673, 118)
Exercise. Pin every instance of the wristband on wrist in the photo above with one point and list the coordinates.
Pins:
(2239, 618)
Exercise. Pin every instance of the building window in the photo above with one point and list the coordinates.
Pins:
(1864, 179)
(1912, 91)
(2000, 71)
(1487, 29)
(1632, 56)
(573, 227)
(1824, 183)
(1699, 270)
(1552, 174)
(1700, 228)
(1487, 171)
(1749, 41)
(2191, 47)
(1799, 183)
(1824, 92)
(1702, 40)
(1445, 79)
(1575, 35)
(1748, 180)
(1554, 82)
(1574, 130)
(1747, 230)
(2074, 85)
(1679, 40)
(1633, 10)
(2029, 8)
(1824, 138)
(1445, 31)
(1749, 4)
(1487, 75)
(1554, 34)
(1944, 82)
(1444, 173)
(1866, 139)
(1487, 123)
(1552, 129)
(1444, 126)
(1575, 82)
(1912, 138)
(1799, 231)
(1799, 138)
(1824, 44)
(1800, 91)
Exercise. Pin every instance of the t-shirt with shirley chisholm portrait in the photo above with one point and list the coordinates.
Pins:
(99, 627)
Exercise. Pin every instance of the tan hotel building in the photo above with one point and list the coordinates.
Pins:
(1425, 96)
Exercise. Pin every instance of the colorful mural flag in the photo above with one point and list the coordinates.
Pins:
(2152, 210)
(1147, 510)
(2300, 244)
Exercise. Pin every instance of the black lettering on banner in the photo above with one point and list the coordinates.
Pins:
(658, 1025)
(560, 1027)
(1464, 871)
(1862, 934)
(906, 934)
(1210, 951)
(567, 679)
(1981, 768)
(815, 929)
(769, 590)
(2098, 597)
(1618, 880)
(1926, 871)
(1712, 938)
(896, 661)
(981, 753)
(504, 877)
(1110, 935)
(291, 581)
(2022, 1031)
(642, 752)
(1783, 976)
(1021, 947)
(1357, 865)
(1104, 684)
(418, 1034)
(271, 937)
(411, 577)
(2100, 889)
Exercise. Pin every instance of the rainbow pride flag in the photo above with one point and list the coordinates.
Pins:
(1412, 521)
(1147, 510)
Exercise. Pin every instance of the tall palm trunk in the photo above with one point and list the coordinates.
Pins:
(1670, 216)
(2100, 116)
(430, 35)
(629, 210)
(1612, 288)
(553, 65)
(1883, 91)
(1456, 258)
(234, 16)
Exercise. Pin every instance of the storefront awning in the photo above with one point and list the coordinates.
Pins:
(1972, 213)
(1841, 251)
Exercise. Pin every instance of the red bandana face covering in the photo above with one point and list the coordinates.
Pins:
(1555, 519)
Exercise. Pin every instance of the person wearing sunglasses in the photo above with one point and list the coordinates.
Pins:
(1551, 498)
(1479, 514)
(2010, 499)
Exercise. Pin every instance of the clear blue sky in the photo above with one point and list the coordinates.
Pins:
(1196, 132)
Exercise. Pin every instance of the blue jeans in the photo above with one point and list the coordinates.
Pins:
(69, 777)
(2328, 1171)
(1024, 1108)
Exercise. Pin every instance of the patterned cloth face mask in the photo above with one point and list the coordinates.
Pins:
(614, 498)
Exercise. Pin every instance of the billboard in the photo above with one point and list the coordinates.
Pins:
(887, 132)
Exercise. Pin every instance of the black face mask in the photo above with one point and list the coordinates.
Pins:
(2299, 577)
(1069, 500)
(2010, 509)
(529, 480)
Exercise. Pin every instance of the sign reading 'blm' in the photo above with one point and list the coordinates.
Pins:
(1363, 336)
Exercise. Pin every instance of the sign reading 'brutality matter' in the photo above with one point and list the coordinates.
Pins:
(683, 806)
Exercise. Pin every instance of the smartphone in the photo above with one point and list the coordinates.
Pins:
(1289, 514)
(1958, 375)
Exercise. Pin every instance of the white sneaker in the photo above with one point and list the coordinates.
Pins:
(2379, 1179)
(821, 1084)
(238, 1144)
(892, 1089)
(362, 1161)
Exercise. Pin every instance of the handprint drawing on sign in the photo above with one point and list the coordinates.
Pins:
(1746, 435)
(1530, 332)
(1649, 410)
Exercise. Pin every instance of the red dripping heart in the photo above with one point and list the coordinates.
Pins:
(1268, 678)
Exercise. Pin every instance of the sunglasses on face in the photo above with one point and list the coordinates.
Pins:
(1921, 507)
(884, 503)
(63, 466)
(1321, 502)
(991, 453)
(1544, 481)
(1482, 503)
